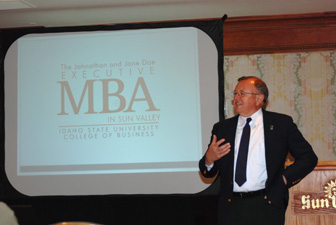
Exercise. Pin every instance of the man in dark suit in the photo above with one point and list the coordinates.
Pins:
(254, 187)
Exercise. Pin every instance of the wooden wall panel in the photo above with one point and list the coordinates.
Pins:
(282, 33)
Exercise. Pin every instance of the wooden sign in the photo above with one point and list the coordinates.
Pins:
(323, 202)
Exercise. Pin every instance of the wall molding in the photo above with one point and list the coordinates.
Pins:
(279, 33)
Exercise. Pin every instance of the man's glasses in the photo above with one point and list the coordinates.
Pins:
(242, 93)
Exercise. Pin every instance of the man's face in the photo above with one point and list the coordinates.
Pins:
(251, 102)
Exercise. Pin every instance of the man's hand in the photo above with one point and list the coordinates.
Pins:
(216, 151)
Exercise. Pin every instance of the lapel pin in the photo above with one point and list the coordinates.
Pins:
(271, 127)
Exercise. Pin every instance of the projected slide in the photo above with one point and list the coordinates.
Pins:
(111, 105)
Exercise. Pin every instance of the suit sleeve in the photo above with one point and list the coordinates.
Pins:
(203, 169)
(301, 150)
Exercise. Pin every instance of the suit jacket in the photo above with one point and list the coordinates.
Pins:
(281, 136)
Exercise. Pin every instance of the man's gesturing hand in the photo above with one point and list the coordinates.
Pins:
(216, 151)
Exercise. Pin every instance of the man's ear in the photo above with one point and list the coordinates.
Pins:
(260, 99)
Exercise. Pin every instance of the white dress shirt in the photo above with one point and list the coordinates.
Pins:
(256, 173)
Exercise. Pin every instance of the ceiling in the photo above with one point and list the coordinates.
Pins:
(55, 13)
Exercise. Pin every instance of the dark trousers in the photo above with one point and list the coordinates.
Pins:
(252, 211)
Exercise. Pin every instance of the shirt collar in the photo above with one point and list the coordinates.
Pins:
(256, 119)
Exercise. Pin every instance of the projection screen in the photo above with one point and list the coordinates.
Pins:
(109, 112)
